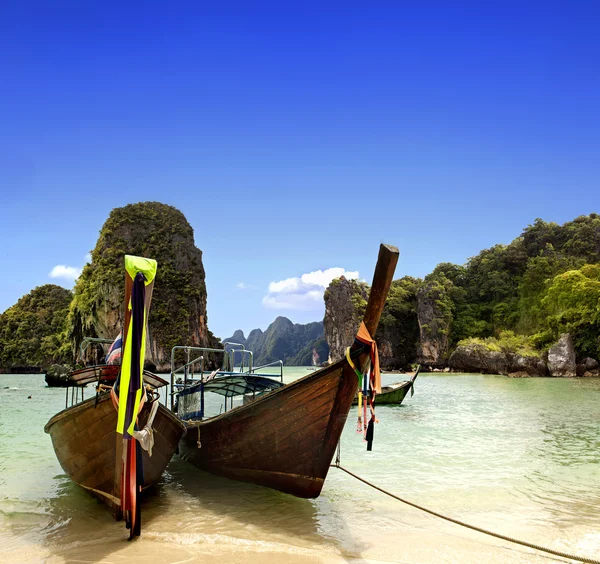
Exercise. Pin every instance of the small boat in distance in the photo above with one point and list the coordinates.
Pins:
(58, 376)
(86, 435)
(286, 437)
(394, 394)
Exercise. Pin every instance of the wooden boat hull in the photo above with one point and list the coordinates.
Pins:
(88, 449)
(284, 440)
(390, 395)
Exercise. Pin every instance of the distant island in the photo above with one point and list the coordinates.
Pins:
(529, 308)
(294, 344)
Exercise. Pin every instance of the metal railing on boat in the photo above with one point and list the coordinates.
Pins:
(230, 347)
(228, 367)
(87, 341)
(274, 363)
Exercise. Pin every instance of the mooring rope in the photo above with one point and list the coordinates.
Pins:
(467, 525)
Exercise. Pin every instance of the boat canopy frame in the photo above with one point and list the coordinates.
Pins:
(87, 341)
(227, 381)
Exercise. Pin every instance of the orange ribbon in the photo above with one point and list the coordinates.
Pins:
(364, 337)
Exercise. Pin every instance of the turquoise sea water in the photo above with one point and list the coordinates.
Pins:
(520, 456)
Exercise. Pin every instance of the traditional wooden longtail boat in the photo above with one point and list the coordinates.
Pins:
(395, 393)
(287, 437)
(95, 439)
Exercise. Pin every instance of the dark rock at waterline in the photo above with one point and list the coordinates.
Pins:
(21, 370)
(521, 374)
(561, 358)
(57, 376)
(590, 363)
(477, 358)
(588, 368)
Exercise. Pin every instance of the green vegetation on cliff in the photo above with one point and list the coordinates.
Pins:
(515, 298)
(398, 331)
(32, 332)
(571, 304)
(178, 312)
(537, 285)
(506, 342)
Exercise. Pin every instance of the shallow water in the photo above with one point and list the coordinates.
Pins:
(520, 456)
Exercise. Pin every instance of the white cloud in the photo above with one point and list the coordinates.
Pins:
(241, 285)
(304, 292)
(70, 273)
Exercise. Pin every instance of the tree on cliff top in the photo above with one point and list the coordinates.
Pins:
(571, 305)
(32, 330)
(178, 312)
(501, 288)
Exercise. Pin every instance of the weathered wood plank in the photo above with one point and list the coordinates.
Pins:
(86, 444)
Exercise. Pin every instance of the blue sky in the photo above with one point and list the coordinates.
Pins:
(294, 136)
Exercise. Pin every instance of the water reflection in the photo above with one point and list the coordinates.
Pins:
(514, 455)
(565, 461)
(189, 507)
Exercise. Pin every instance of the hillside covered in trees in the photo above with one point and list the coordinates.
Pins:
(47, 325)
(32, 332)
(518, 297)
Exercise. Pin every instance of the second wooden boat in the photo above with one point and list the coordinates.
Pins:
(287, 437)
(395, 393)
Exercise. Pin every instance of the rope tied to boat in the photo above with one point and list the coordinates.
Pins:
(144, 436)
(500, 536)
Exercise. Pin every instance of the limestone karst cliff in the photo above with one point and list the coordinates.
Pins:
(397, 335)
(345, 303)
(435, 317)
(178, 312)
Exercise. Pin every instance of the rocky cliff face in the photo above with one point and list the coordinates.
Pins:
(559, 361)
(237, 337)
(178, 312)
(476, 358)
(283, 340)
(435, 319)
(398, 332)
(561, 357)
(345, 303)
